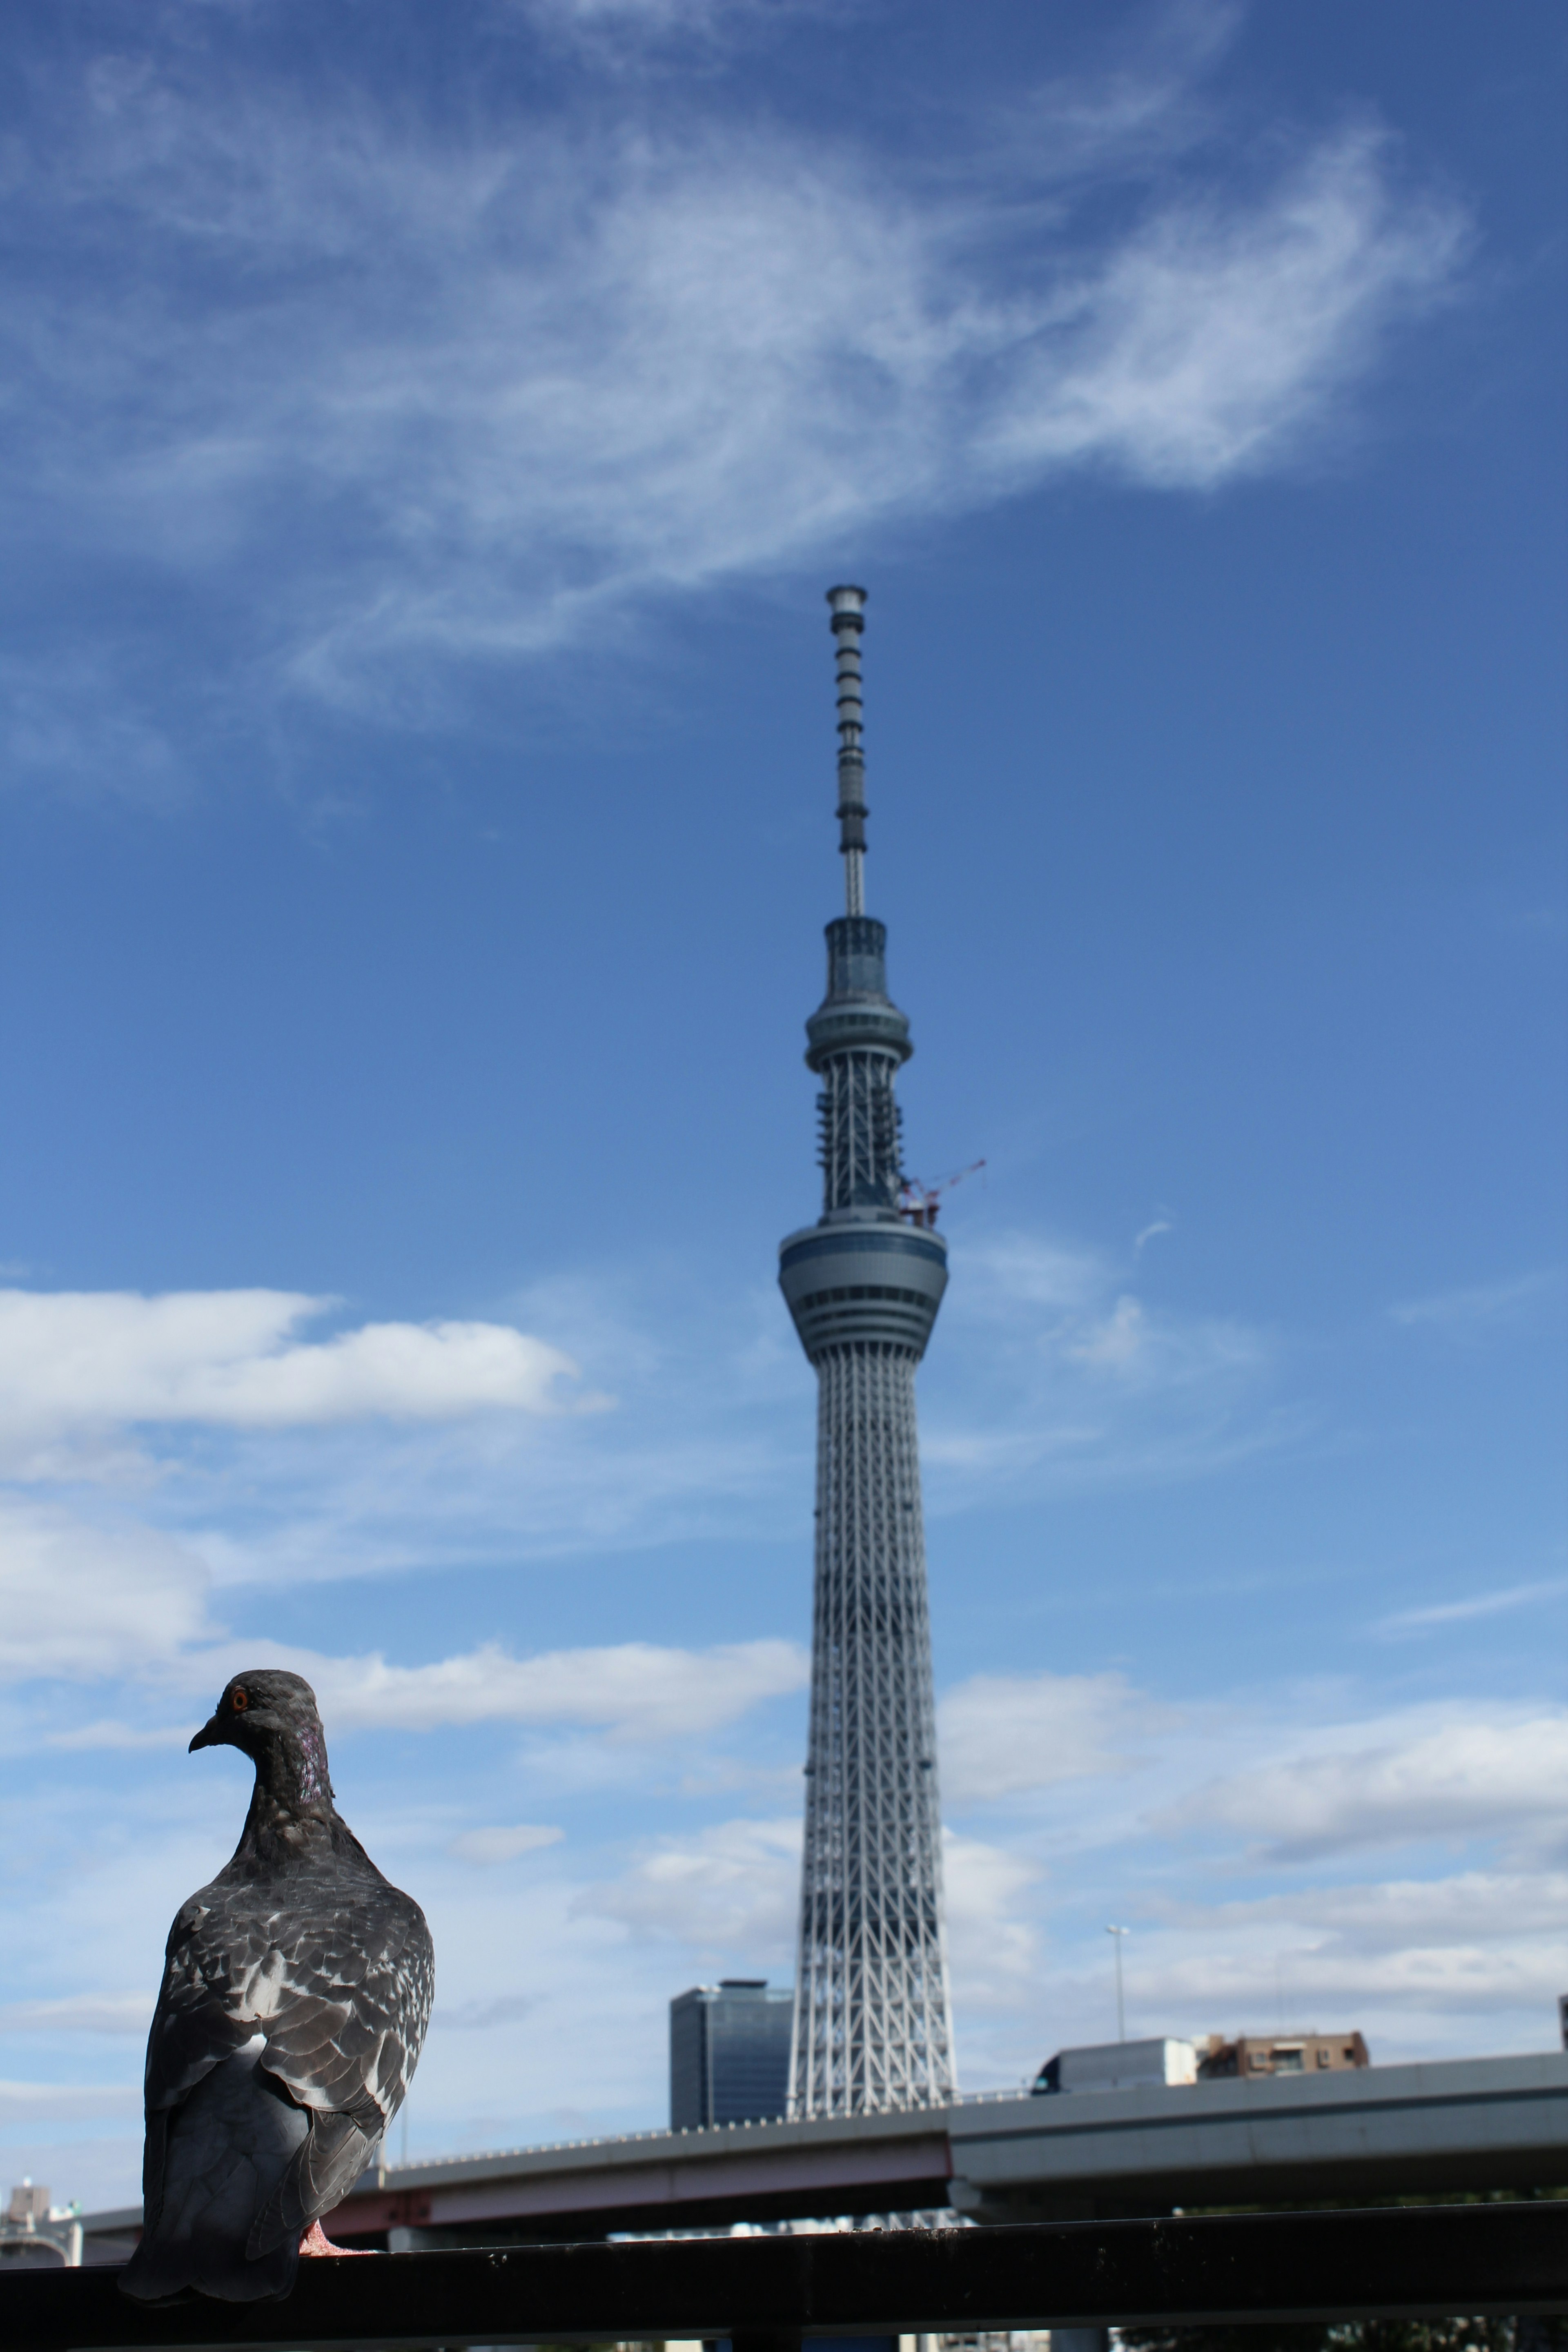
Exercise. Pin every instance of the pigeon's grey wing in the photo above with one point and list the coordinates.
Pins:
(199, 2021)
(353, 2007)
(346, 2006)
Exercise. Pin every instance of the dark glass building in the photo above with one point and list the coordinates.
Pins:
(729, 2053)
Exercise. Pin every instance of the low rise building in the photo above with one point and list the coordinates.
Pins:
(1280, 2053)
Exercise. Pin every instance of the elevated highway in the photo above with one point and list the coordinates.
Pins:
(1455, 2124)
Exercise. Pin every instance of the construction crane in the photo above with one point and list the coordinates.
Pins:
(917, 1202)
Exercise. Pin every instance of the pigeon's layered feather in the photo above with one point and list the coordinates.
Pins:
(296, 1992)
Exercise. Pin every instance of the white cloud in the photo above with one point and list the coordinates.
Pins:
(104, 1731)
(1050, 1366)
(1002, 1735)
(1005, 1274)
(128, 1606)
(589, 362)
(76, 1364)
(634, 1690)
(1198, 350)
(413, 1452)
(120, 2012)
(1459, 1963)
(1066, 1302)
(74, 724)
(994, 1951)
(1452, 1777)
(729, 1895)
(34, 2103)
(732, 1888)
(484, 2016)
(642, 20)
(1483, 1307)
(499, 1845)
(86, 1602)
(1116, 1343)
(1392, 1915)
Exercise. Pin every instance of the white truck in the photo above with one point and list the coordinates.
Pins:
(1119, 2067)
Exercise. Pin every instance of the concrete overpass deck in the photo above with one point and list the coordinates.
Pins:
(1468, 2122)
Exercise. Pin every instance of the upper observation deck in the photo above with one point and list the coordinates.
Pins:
(856, 1012)
(858, 1278)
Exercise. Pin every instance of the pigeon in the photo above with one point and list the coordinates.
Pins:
(296, 1993)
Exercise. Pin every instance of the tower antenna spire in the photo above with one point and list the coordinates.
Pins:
(848, 607)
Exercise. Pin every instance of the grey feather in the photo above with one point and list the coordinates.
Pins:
(296, 1994)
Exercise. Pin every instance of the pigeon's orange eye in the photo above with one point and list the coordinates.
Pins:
(240, 1701)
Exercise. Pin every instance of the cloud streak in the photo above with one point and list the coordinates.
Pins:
(1007, 1735)
(1484, 1308)
(501, 386)
(635, 1690)
(1052, 1372)
(1476, 1604)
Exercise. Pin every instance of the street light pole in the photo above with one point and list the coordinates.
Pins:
(1120, 2005)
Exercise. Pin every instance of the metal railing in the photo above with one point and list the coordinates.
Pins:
(765, 2294)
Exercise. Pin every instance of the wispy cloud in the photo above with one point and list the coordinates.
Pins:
(433, 398)
(86, 1602)
(732, 1888)
(634, 1690)
(1003, 1735)
(228, 1447)
(497, 1844)
(104, 1732)
(124, 2013)
(992, 1939)
(1476, 1604)
(1456, 1774)
(1483, 1307)
(731, 1891)
(608, 29)
(35, 2102)
(1049, 1367)
(484, 2016)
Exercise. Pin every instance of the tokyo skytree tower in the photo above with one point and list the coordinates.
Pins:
(873, 2026)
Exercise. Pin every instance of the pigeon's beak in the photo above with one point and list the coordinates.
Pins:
(209, 1736)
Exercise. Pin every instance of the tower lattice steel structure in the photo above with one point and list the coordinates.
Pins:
(872, 2019)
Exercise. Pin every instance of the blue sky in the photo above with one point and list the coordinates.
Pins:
(429, 436)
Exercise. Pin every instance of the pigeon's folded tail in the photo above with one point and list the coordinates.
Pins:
(227, 2149)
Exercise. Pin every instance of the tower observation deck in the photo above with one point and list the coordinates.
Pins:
(872, 2018)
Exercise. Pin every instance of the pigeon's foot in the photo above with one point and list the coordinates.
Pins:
(316, 2242)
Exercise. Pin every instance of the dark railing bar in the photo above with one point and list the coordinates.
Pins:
(1477, 2260)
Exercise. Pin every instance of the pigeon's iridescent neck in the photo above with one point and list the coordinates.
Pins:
(314, 1782)
(293, 1786)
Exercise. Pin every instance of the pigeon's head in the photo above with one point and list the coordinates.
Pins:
(272, 1717)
